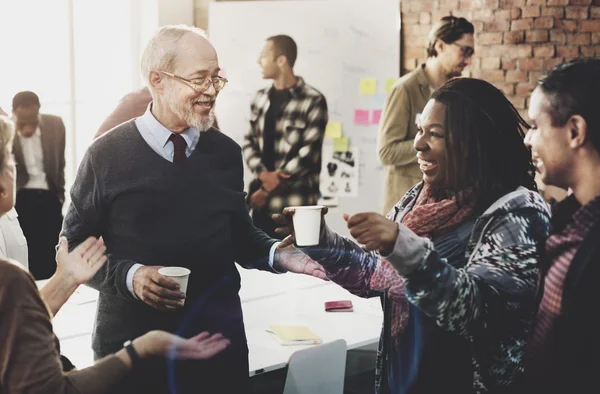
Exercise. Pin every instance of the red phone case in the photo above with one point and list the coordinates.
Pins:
(338, 306)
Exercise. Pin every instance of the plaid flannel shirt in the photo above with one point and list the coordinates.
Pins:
(299, 133)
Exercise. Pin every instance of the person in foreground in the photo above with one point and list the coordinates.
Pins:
(563, 352)
(29, 352)
(455, 259)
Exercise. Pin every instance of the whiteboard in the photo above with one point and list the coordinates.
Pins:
(340, 42)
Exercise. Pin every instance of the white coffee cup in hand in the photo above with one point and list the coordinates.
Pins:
(307, 224)
(179, 275)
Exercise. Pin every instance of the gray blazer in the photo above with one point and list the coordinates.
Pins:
(53, 147)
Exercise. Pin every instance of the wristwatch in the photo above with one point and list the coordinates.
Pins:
(135, 357)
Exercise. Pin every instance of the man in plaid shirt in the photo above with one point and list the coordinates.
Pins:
(283, 145)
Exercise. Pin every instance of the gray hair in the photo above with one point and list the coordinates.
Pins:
(7, 131)
(161, 51)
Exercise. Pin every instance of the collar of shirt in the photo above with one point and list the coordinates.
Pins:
(37, 132)
(569, 211)
(296, 90)
(162, 134)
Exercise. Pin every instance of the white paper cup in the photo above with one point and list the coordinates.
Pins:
(179, 275)
(307, 224)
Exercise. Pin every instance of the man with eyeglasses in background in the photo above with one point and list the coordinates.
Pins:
(450, 48)
(283, 145)
(166, 189)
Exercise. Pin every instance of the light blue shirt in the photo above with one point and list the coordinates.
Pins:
(157, 137)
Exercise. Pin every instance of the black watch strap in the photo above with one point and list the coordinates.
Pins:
(135, 357)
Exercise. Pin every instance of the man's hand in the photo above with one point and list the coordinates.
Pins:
(272, 180)
(163, 344)
(157, 290)
(373, 231)
(258, 199)
(288, 258)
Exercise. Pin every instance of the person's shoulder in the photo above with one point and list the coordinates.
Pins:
(407, 82)
(114, 138)
(14, 276)
(49, 119)
(220, 138)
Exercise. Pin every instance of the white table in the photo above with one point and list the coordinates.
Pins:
(287, 299)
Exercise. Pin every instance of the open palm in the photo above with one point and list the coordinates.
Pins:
(291, 259)
(83, 262)
(200, 347)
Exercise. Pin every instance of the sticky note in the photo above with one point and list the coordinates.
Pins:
(376, 116)
(389, 84)
(368, 86)
(341, 144)
(361, 116)
(333, 130)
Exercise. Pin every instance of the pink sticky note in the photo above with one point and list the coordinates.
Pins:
(361, 116)
(376, 116)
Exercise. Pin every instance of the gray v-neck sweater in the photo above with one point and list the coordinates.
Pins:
(155, 212)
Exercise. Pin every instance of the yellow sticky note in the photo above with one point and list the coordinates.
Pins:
(333, 130)
(368, 86)
(341, 144)
(389, 84)
(294, 333)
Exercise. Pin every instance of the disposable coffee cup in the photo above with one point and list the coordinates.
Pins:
(307, 224)
(178, 274)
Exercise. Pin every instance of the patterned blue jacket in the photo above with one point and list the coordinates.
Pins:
(490, 301)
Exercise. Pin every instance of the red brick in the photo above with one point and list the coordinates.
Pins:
(596, 2)
(490, 63)
(476, 4)
(514, 37)
(448, 5)
(425, 18)
(509, 64)
(589, 26)
(534, 76)
(409, 64)
(483, 15)
(549, 63)
(512, 3)
(518, 102)
(546, 22)
(552, 3)
(595, 12)
(493, 4)
(536, 36)
(414, 52)
(468, 15)
(536, 2)
(558, 36)
(531, 11)
(580, 2)
(587, 51)
(598, 51)
(499, 25)
(524, 88)
(563, 51)
(515, 13)
(557, 12)
(516, 76)
(544, 51)
(465, 4)
(529, 64)
(410, 18)
(577, 12)
(510, 50)
(490, 38)
(478, 25)
(578, 38)
(507, 88)
(428, 6)
(489, 75)
(595, 38)
(567, 26)
(522, 24)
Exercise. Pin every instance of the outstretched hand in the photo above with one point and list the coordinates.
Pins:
(373, 231)
(162, 343)
(83, 262)
(288, 258)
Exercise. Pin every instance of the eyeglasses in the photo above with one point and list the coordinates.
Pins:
(466, 50)
(200, 84)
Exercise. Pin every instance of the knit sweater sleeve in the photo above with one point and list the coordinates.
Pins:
(86, 217)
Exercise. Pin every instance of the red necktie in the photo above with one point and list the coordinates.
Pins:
(179, 146)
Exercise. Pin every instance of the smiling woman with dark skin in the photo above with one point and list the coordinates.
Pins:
(455, 260)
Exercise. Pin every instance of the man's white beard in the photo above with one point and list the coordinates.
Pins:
(200, 123)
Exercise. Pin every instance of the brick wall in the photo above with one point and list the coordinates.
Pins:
(516, 41)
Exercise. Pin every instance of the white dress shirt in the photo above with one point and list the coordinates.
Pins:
(157, 137)
(13, 244)
(34, 160)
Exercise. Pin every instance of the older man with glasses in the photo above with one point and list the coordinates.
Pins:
(166, 189)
